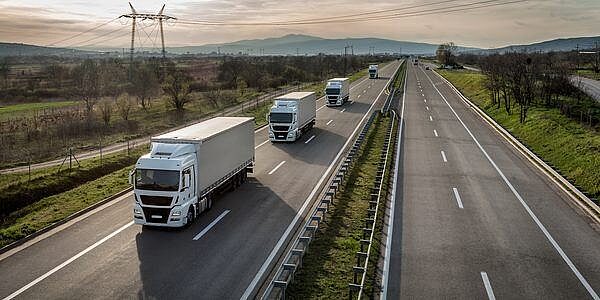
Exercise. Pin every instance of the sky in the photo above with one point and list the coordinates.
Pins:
(50, 22)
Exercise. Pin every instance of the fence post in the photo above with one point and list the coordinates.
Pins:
(100, 152)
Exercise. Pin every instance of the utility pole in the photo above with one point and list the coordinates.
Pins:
(577, 58)
(134, 16)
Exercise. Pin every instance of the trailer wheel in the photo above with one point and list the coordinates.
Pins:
(208, 202)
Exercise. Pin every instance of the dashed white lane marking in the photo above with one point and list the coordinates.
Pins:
(213, 223)
(310, 139)
(277, 167)
(435, 133)
(431, 118)
(329, 122)
(444, 156)
(261, 144)
(488, 286)
(457, 196)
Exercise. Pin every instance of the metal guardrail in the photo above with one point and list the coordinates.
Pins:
(368, 231)
(293, 259)
(391, 93)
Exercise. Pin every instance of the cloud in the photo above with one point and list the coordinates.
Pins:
(536, 20)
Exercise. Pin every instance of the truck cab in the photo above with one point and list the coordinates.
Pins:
(164, 186)
(291, 115)
(337, 91)
(373, 71)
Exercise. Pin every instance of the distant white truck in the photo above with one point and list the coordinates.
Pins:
(337, 91)
(373, 71)
(291, 115)
(186, 168)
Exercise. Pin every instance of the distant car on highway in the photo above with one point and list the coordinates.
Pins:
(427, 68)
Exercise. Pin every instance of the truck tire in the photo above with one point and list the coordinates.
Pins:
(209, 202)
(190, 216)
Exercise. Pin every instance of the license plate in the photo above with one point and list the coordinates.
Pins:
(156, 217)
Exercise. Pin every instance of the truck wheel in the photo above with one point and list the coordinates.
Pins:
(189, 216)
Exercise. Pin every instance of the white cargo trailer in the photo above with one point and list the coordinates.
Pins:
(291, 115)
(186, 168)
(337, 91)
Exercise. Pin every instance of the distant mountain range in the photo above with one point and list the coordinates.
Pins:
(564, 44)
(294, 44)
(311, 45)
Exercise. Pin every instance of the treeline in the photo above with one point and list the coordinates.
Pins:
(525, 80)
(270, 72)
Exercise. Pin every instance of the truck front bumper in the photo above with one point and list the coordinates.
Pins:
(160, 217)
(290, 136)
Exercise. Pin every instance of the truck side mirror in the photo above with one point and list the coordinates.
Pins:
(186, 181)
(132, 177)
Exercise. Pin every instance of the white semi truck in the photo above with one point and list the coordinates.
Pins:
(187, 168)
(337, 91)
(291, 115)
(373, 71)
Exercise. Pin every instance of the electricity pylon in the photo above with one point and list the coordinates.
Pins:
(160, 16)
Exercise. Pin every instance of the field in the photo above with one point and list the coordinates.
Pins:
(573, 149)
(28, 109)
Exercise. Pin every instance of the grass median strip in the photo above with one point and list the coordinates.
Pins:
(572, 149)
(327, 265)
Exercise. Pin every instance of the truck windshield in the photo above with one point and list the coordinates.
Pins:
(331, 91)
(280, 118)
(372, 70)
(157, 180)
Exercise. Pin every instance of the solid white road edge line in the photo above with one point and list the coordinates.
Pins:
(390, 229)
(67, 262)
(310, 139)
(488, 286)
(300, 212)
(457, 196)
(277, 167)
(213, 223)
(541, 226)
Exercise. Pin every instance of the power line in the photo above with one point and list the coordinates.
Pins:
(341, 19)
(83, 32)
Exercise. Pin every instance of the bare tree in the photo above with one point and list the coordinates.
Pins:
(124, 106)
(177, 88)
(446, 54)
(86, 83)
(4, 71)
(106, 108)
(213, 96)
(144, 84)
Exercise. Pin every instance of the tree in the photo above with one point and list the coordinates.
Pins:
(144, 84)
(213, 96)
(124, 106)
(86, 83)
(4, 71)
(177, 88)
(445, 54)
(106, 108)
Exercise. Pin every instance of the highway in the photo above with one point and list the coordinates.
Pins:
(472, 218)
(224, 255)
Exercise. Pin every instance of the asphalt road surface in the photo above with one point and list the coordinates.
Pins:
(589, 86)
(221, 256)
(475, 220)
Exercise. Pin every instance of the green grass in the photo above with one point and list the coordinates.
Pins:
(30, 108)
(57, 207)
(589, 74)
(327, 265)
(573, 149)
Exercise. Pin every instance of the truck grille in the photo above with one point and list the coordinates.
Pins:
(280, 136)
(281, 128)
(156, 200)
(156, 215)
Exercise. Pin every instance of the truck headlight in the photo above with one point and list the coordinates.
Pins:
(137, 211)
(176, 213)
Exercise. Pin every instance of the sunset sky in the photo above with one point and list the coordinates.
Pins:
(46, 22)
